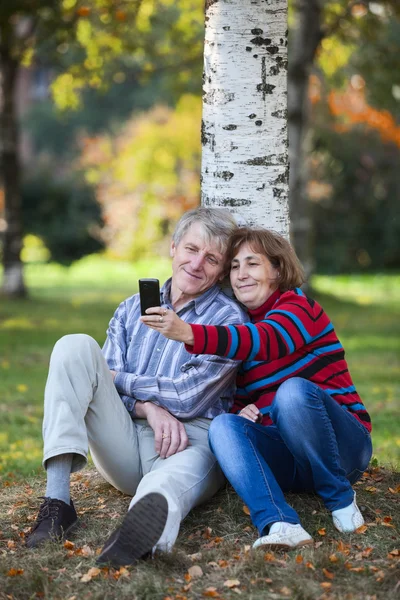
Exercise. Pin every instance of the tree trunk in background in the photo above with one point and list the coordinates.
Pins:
(244, 127)
(13, 281)
(305, 39)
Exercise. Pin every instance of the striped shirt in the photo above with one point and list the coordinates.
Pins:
(153, 368)
(290, 336)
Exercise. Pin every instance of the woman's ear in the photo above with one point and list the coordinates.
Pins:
(172, 249)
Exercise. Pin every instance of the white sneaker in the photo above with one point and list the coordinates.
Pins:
(284, 536)
(348, 519)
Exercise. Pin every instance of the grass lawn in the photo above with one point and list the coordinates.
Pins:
(366, 313)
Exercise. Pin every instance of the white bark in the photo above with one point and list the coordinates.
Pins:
(244, 128)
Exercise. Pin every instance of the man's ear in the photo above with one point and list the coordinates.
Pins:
(172, 249)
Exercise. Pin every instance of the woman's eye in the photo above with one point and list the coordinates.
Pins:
(234, 267)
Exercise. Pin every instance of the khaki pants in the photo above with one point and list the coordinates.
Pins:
(83, 410)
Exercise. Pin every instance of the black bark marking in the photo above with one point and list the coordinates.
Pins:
(266, 161)
(279, 65)
(249, 48)
(210, 201)
(224, 98)
(210, 3)
(282, 178)
(255, 55)
(226, 28)
(207, 139)
(280, 114)
(265, 88)
(230, 127)
(252, 116)
(259, 189)
(225, 175)
(273, 49)
(257, 31)
(260, 41)
(258, 123)
(278, 192)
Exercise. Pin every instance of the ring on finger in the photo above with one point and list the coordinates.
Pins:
(165, 436)
(160, 320)
(164, 312)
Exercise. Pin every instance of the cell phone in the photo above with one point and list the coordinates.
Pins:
(149, 291)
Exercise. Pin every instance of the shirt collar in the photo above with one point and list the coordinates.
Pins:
(200, 303)
(257, 314)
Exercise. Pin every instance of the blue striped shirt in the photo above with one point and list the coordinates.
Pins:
(152, 368)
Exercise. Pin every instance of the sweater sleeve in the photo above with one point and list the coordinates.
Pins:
(289, 326)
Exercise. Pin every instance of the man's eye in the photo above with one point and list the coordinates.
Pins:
(212, 261)
(190, 249)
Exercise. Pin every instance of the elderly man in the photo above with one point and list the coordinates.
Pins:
(143, 405)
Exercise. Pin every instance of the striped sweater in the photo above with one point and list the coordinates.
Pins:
(290, 336)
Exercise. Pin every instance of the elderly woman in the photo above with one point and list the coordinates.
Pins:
(298, 423)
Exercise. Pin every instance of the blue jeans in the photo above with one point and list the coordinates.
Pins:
(314, 445)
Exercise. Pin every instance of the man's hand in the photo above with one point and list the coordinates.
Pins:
(252, 413)
(167, 322)
(170, 434)
(113, 374)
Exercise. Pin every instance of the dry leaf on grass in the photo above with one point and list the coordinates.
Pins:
(231, 583)
(299, 559)
(333, 558)
(14, 572)
(361, 529)
(195, 571)
(246, 510)
(93, 572)
(285, 591)
(69, 545)
(328, 574)
(322, 531)
(326, 585)
(211, 592)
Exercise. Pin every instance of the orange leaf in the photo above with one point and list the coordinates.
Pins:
(223, 564)
(395, 552)
(357, 569)
(361, 529)
(120, 15)
(269, 556)
(326, 585)
(83, 11)
(309, 565)
(371, 489)
(328, 574)
(187, 577)
(322, 531)
(285, 591)
(365, 553)
(69, 545)
(333, 558)
(211, 592)
(246, 510)
(299, 559)
(14, 572)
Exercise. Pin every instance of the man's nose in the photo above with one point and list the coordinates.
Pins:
(197, 261)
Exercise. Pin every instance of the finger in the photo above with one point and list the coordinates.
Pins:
(158, 439)
(165, 443)
(154, 310)
(184, 440)
(174, 442)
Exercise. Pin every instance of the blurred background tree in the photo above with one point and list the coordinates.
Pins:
(109, 108)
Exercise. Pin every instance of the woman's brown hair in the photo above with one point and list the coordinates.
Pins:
(278, 251)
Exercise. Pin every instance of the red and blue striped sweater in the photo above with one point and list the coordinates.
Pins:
(290, 336)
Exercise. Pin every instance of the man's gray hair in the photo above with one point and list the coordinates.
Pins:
(217, 223)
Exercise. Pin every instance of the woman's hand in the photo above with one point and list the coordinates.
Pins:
(252, 413)
(168, 323)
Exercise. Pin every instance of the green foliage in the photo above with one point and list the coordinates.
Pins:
(64, 213)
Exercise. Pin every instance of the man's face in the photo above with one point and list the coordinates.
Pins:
(196, 263)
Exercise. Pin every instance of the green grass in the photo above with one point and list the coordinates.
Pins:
(217, 536)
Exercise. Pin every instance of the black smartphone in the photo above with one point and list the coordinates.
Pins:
(149, 290)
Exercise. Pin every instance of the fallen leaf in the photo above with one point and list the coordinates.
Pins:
(246, 510)
(394, 553)
(357, 569)
(309, 565)
(211, 592)
(343, 548)
(285, 591)
(267, 580)
(318, 544)
(322, 531)
(386, 524)
(299, 559)
(195, 571)
(333, 558)
(231, 583)
(93, 572)
(69, 545)
(326, 585)
(365, 553)
(11, 544)
(207, 533)
(328, 574)
(14, 572)
(187, 577)
(361, 529)
(269, 556)
(223, 564)
(371, 489)
(196, 556)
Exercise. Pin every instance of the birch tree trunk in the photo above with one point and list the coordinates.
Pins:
(13, 281)
(244, 127)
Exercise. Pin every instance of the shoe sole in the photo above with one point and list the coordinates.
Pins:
(285, 547)
(140, 530)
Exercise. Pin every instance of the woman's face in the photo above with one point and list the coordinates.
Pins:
(253, 278)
